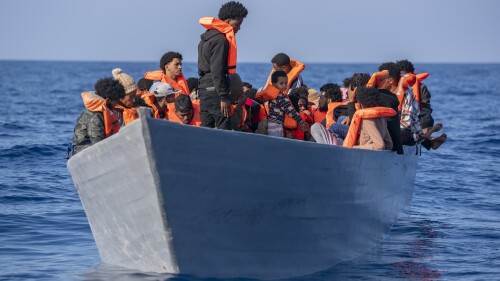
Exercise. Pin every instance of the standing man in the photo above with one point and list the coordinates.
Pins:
(216, 60)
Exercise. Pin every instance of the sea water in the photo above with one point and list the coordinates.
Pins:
(452, 231)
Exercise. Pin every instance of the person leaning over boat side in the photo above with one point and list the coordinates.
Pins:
(185, 111)
(368, 128)
(279, 106)
(291, 67)
(170, 72)
(100, 119)
(422, 95)
(129, 105)
(217, 52)
(411, 130)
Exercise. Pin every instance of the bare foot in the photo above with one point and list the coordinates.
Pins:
(429, 131)
(437, 142)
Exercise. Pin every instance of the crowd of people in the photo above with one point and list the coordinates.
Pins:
(383, 111)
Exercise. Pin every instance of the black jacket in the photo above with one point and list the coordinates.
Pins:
(89, 129)
(212, 62)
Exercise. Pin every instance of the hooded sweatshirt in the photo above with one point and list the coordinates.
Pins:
(212, 62)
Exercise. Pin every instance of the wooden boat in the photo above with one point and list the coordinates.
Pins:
(164, 197)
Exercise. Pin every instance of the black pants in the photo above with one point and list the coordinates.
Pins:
(407, 139)
(210, 113)
(395, 132)
(426, 120)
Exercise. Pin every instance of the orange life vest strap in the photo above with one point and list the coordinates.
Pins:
(129, 114)
(373, 112)
(331, 111)
(96, 103)
(377, 78)
(228, 31)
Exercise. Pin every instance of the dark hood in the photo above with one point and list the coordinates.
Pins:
(209, 34)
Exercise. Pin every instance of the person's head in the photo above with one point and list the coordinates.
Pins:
(164, 93)
(233, 13)
(171, 64)
(359, 79)
(294, 100)
(251, 93)
(347, 82)
(406, 66)
(279, 80)
(128, 84)
(300, 91)
(392, 79)
(384, 66)
(367, 97)
(193, 84)
(246, 86)
(183, 109)
(331, 92)
(281, 61)
(110, 89)
(302, 104)
(312, 96)
(144, 84)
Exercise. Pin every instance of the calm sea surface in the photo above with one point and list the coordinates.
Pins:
(452, 231)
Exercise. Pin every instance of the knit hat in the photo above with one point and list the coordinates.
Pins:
(162, 89)
(313, 95)
(127, 82)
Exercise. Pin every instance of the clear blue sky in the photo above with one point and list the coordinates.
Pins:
(311, 31)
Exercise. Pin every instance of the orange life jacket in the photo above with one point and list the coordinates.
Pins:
(195, 121)
(227, 30)
(264, 108)
(377, 78)
(243, 115)
(271, 93)
(129, 114)
(416, 87)
(179, 85)
(373, 112)
(331, 111)
(96, 103)
(150, 99)
(297, 68)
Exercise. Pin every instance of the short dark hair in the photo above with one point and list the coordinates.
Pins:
(168, 57)
(301, 91)
(294, 100)
(406, 65)
(360, 79)
(332, 91)
(193, 83)
(368, 97)
(394, 71)
(109, 88)
(276, 75)
(281, 59)
(251, 93)
(144, 84)
(246, 84)
(232, 10)
(383, 66)
(346, 82)
(183, 103)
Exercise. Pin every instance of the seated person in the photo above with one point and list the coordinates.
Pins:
(170, 72)
(161, 99)
(280, 106)
(128, 109)
(185, 111)
(100, 119)
(305, 114)
(292, 68)
(368, 128)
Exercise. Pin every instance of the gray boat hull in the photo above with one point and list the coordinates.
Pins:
(164, 197)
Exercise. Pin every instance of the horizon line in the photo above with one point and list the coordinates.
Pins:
(243, 62)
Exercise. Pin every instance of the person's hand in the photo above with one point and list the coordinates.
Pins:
(304, 127)
(225, 107)
(345, 121)
(351, 93)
